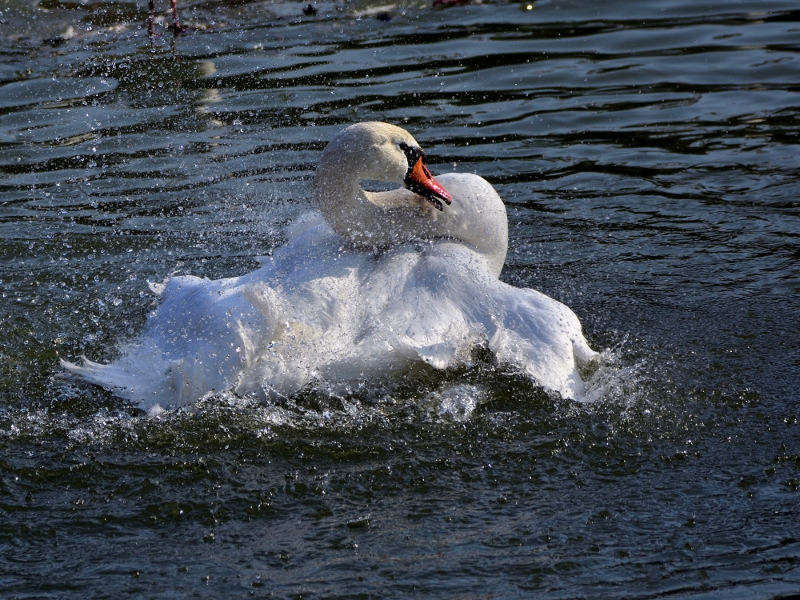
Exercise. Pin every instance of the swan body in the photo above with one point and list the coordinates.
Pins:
(372, 284)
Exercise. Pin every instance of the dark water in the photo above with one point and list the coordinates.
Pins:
(649, 156)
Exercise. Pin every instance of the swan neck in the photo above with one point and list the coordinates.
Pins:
(344, 204)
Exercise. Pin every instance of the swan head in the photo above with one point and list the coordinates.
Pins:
(380, 152)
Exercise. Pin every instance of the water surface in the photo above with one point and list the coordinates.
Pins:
(648, 156)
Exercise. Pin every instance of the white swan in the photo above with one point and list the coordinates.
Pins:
(386, 280)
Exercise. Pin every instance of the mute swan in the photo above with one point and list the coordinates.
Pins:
(377, 282)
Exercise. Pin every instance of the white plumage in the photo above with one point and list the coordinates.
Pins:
(382, 282)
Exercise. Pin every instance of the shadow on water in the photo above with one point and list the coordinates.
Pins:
(648, 158)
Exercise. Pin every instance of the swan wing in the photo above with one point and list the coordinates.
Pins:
(445, 301)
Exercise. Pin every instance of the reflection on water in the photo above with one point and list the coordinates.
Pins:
(647, 154)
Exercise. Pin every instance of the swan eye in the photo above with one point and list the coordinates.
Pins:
(413, 154)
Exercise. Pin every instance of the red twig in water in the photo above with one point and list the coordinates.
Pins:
(176, 26)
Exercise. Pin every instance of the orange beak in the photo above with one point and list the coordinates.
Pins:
(420, 181)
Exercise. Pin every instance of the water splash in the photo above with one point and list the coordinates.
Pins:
(614, 380)
(455, 403)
